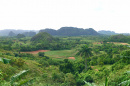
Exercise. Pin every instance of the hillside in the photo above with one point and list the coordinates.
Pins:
(70, 31)
(42, 37)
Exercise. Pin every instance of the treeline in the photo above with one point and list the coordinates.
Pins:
(70, 31)
(119, 38)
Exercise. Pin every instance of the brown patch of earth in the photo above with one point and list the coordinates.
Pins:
(37, 51)
(71, 58)
(92, 67)
(119, 43)
(96, 69)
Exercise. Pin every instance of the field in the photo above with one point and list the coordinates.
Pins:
(63, 54)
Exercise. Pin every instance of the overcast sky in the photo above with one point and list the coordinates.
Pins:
(111, 15)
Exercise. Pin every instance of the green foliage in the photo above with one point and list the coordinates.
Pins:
(26, 55)
(125, 83)
(17, 77)
(80, 82)
(20, 36)
(66, 67)
(26, 82)
(119, 38)
(5, 60)
(89, 84)
(125, 55)
(78, 66)
(88, 78)
(1, 77)
(58, 77)
(69, 78)
(18, 62)
(106, 82)
(41, 54)
(122, 80)
(85, 52)
(117, 66)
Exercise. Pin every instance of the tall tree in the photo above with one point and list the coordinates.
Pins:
(85, 52)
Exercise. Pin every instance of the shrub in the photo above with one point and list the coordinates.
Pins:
(69, 78)
(117, 66)
(58, 77)
(88, 78)
(80, 82)
(18, 62)
(45, 75)
(41, 54)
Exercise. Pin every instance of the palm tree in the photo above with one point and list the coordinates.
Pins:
(85, 52)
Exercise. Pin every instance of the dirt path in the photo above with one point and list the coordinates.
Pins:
(37, 51)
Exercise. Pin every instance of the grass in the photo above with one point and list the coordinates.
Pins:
(60, 53)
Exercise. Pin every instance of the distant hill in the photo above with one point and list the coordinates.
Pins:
(11, 34)
(70, 31)
(6, 32)
(42, 37)
(107, 32)
(29, 34)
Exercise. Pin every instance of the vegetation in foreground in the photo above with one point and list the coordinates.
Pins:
(106, 64)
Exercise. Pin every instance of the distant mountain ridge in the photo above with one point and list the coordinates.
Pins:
(63, 31)
(70, 31)
(107, 32)
(13, 32)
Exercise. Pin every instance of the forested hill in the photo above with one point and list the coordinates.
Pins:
(70, 31)
(107, 32)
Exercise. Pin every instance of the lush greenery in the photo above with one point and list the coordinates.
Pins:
(97, 61)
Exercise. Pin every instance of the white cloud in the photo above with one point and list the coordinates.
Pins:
(38, 14)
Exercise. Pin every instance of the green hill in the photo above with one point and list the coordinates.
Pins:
(42, 37)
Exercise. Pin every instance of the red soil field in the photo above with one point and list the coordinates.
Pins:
(35, 52)
(71, 58)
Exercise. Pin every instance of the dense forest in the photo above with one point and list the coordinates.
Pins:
(65, 57)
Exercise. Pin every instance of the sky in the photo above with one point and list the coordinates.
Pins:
(113, 15)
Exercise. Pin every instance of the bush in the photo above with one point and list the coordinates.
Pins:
(45, 75)
(80, 82)
(41, 54)
(69, 78)
(18, 62)
(88, 78)
(117, 66)
(67, 67)
(44, 63)
(58, 77)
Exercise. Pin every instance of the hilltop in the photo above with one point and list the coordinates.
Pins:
(70, 31)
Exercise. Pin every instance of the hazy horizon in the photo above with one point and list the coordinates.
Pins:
(112, 15)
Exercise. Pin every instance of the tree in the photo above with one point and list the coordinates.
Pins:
(85, 52)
